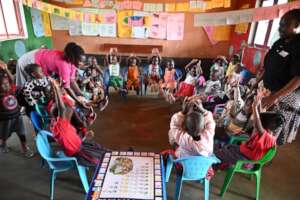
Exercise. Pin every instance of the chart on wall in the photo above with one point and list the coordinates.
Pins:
(141, 25)
(37, 22)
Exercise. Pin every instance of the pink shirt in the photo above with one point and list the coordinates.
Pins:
(188, 146)
(52, 61)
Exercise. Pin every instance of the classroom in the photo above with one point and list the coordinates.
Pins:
(149, 99)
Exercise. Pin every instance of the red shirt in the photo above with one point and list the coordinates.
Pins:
(65, 134)
(257, 146)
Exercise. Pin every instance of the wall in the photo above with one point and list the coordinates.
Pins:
(194, 44)
(8, 48)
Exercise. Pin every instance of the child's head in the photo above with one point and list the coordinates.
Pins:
(4, 84)
(270, 121)
(235, 59)
(248, 104)
(113, 59)
(170, 64)
(214, 75)
(92, 60)
(132, 61)
(194, 123)
(238, 68)
(34, 71)
(11, 65)
(155, 60)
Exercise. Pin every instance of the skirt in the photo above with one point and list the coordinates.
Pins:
(185, 90)
(230, 154)
(91, 153)
(289, 107)
(8, 127)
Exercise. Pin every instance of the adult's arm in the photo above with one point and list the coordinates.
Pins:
(287, 89)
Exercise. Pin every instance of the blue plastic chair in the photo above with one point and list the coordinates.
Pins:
(194, 168)
(58, 162)
(35, 119)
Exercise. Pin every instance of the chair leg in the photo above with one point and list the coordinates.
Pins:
(52, 180)
(83, 178)
(178, 187)
(206, 189)
(258, 177)
(229, 175)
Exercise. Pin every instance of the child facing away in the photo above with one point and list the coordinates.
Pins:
(152, 77)
(187, 87)
(115, 77)
(231, 67)
(169, 82)
(87, 152)
(133, 75)
(260, 141)
(192, 130)
(10, 116)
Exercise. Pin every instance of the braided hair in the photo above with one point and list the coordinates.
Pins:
(73, 53)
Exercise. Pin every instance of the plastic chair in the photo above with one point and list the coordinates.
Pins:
(43, 115)
(58, 163)
(256, 170)
(194, 168)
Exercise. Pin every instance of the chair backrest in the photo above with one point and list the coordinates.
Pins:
(196, 167)
(43, 115)
(268, 156)
(36, 121)
(44, 147)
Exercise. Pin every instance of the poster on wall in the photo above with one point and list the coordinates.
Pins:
(124, 28)
(37, 22)
(109, 27)
(46, 24)
(175, 26)
(158, 29)
(59, 23)
(75, 28)
(142, 31)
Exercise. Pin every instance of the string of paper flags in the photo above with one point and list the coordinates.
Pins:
(201, 19)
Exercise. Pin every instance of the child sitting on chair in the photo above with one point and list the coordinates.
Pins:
(260, 141)
(115, 78)
(192, 130)
(88, 153)
(133, 73)
(153, 73)
(169, 82)
(187, 87)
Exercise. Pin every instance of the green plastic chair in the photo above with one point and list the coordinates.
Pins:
(256, 170)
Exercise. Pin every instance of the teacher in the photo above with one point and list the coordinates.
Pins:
(53, 62)
(282, 76)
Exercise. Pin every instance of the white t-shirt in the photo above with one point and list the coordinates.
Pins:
(192, 80)
(114, 69)
(153, 70)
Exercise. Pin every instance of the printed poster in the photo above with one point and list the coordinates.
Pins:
(141, 31)
(46, 24)
(59, 23)
(37, 23)
(124, 28)
(175, 27)
(158, 29)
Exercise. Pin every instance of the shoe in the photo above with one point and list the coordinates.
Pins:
(4, 149)
(28, 153)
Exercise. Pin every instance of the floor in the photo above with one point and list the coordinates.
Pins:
(142, 123)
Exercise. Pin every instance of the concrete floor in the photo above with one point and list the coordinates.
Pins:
(142, 123)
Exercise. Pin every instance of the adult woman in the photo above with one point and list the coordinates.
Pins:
(282, 76)
(63, 64)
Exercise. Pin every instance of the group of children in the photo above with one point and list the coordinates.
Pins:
(227, 105)
(193, 131)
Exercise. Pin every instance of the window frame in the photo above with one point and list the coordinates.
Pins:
(20, 19)
(254, 26)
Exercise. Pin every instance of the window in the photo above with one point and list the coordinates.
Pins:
(266, 32)
(12, 22)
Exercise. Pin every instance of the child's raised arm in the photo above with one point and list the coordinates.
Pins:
(58, 99)
(256, 118)
(4, 67)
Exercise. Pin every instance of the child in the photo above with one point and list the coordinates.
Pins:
(115, 79)
(10, 118)
(169, 82)
(37, 89)
(192, 130)
(87, 152)
(187, 87)
(260, 141)
(213, 86)
(234, 78)
(133, 73)
(218, 67)
(201, 83)
(231, 67)
(153, 73)
(94, 86)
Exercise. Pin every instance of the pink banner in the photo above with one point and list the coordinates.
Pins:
(209, 30)
(175, 30)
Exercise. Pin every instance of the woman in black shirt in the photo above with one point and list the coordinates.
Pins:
(282, 76)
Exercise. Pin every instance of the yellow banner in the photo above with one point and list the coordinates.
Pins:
(46, 24)
(124, 29)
